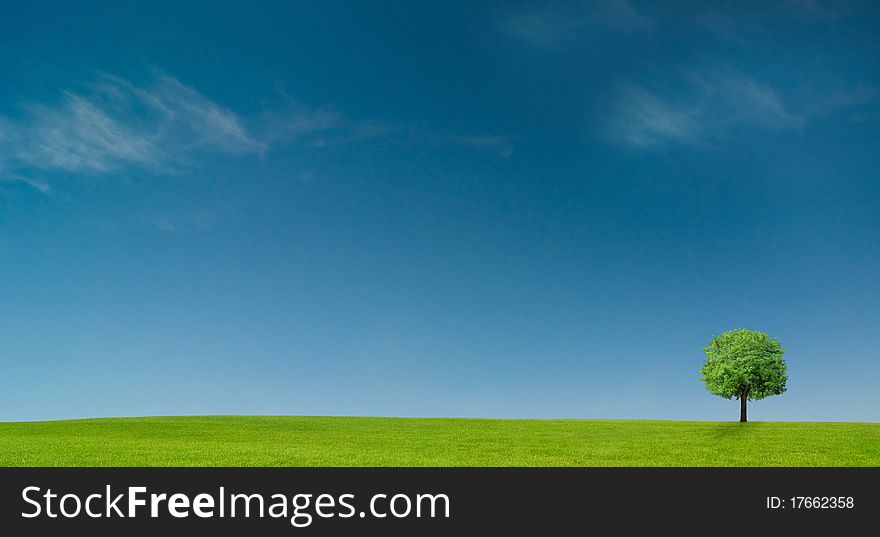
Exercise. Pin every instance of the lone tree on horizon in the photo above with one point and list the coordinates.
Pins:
(744, 364)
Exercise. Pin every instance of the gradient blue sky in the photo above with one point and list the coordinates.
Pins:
(435, 208)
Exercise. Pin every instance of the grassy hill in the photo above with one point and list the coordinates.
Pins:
(344, 441)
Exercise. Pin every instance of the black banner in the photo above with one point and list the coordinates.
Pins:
(433, 501)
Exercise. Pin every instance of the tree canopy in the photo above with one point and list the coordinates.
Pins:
(744, 364)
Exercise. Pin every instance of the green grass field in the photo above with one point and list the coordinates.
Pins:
(327, 441)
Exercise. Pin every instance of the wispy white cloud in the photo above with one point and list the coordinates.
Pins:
(40, 186)
(295, 122)
(646, 120)
(193, 117)
(162, 223)
(622, 16)
(78, 135)
(7, 174)
(327, 128)
(546, 28)
(114, 126)
(307, 121)
(744, 21)
(740, 98)
(498, 144)
(558, 25)
(117, 125)
(703, 107)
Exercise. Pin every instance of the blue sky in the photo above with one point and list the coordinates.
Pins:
(435, 208)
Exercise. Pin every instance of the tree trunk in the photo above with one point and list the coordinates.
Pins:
(742, 406)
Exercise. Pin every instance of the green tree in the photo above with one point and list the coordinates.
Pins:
(744, 364)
